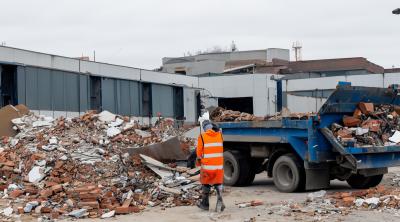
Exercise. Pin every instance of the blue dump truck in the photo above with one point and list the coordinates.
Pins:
(304, 154)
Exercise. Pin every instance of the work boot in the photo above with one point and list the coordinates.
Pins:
(204, 204)
(220, 203)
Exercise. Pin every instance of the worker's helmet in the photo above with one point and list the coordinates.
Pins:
(206, 125)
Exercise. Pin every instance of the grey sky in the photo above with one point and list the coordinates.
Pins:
(139, 33)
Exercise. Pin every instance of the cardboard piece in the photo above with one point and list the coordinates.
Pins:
(164, 151)
(8, 113)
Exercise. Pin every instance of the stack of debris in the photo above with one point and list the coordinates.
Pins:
(79, 167)
(379, 197)
(222, 115)
(370, 125)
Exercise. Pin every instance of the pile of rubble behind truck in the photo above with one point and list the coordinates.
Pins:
(370, 125)
(78, 167)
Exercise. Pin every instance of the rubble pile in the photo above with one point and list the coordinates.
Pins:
(77, 167)
(370, 125)
(379, 197)
(222, 115)
(321, 205)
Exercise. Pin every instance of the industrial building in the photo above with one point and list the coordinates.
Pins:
(220, 62)
(62, 86)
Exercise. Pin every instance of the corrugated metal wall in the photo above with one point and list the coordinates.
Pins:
(121, 96)
(162, 100)
(44, 89)
(53, 90)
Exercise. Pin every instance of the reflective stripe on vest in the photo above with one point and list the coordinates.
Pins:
(212, 155)
(212, 167)
(212, 144)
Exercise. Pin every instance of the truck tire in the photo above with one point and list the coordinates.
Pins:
(288, 174)
(236, 169)
(358, 181)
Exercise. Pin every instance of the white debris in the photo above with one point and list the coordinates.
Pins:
(41, 123)
(106, 116)
(142, 133)
(12, 187)
(17, 121)
(112, 131)
(396, 137)
(316, 195)
(372, 201)
(78, 213)
(108, 215)
(359, 202)
(53, 140)
(244, 205)
(49, 147)
(29, 206)
(8, 211)
(117, 122)
(361, 131)
(36, 174)
(14, 142)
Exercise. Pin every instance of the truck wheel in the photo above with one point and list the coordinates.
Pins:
(236, 169)
(288, 174)
(358, 181)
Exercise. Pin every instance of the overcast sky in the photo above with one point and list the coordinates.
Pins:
(139, 33)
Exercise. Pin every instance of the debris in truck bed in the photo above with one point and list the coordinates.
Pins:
(222, 115)
(370, 125)
(75, 168)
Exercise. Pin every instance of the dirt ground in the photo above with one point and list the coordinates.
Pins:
(262, 189)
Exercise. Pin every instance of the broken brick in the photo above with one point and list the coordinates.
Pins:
(46, 193)
(16, 193)
(126, 210)
(57, 188)
(92, 204)
(357, 113)
(366, 108)
(372, 124)
(344, 133)
(351, 121)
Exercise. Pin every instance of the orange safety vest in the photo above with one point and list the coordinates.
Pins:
(210, 151)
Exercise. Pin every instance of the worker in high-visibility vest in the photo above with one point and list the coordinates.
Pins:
(210, 158)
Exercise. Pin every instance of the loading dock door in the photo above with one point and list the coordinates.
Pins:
(8, 89)
(242, 104)
(95, 93)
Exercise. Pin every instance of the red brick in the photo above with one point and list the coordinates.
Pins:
(344, 133)
(46, 193)
(346, 194)
(351, 121)
(348, 201)
(57, 188)
(366, 108)
(8, 163)
(256, 203)
(373, 125)
(50, 183)
(16, 193)
(92, 204)
(88, 196)
(45, 210)
(31, 190)
(55, 214)
(21, 210)
(357, 113)
(127, 202)
(126, 210)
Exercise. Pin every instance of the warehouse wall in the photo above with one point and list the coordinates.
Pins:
(52, 90)
(260, 87)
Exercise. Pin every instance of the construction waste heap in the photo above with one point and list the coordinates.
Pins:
(84, 167)
(370, 125)
(220, 114)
